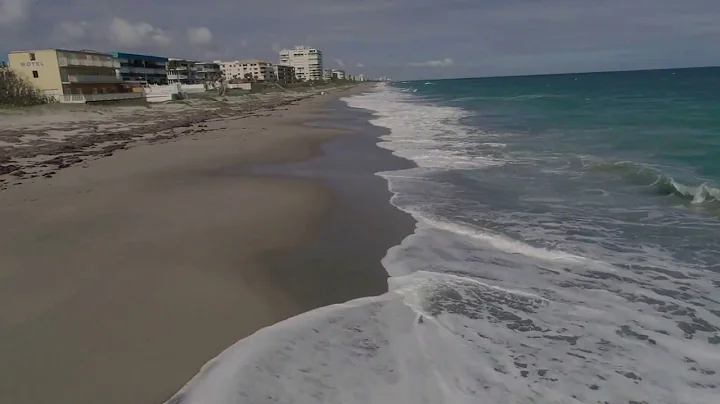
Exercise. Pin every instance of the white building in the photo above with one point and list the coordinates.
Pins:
(257, 70)
(360, 77)
(334, 74)
(308, 62)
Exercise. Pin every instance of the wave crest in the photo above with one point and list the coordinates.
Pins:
(661, 183)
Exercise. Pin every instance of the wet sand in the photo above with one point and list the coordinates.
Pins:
(120, 277)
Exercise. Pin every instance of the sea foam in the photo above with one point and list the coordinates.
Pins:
(477, 315)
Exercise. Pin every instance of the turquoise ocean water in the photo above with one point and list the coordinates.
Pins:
(567, 250)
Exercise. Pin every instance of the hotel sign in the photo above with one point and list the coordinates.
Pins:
(32, 64)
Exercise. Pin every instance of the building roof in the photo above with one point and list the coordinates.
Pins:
(243, 61)
(87, 51)
(122, 55)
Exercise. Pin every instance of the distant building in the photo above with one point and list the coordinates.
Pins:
(334, 74)
(181, 71)
(144, 69)
(285, 74)
(251, 70)
(360, 77)
(308, 62)
(207, 71)
(72, 75)
(231, 70)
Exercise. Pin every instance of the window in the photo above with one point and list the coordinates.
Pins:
(32, 56)
(35, 74)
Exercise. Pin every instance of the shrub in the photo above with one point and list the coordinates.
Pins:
(16, 91)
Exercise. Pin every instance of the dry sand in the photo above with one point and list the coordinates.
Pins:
(38, 141)
(121, 276)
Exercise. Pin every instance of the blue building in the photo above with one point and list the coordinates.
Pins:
(143, 69)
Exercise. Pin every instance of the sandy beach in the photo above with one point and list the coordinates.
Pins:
(126, 270)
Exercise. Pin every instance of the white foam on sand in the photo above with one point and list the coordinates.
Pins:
(438, 338)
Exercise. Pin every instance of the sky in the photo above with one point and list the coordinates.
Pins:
(402, 39)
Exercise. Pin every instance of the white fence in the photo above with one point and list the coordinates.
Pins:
(161, 93)
(192, 88)
(240, 86)
(152, 93)
(70, 98)
(83, 98)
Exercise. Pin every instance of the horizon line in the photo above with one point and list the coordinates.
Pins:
(567, 73)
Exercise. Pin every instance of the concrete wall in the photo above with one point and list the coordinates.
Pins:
(240, 86)
(161, 93)
(192, 88)
(46, 66)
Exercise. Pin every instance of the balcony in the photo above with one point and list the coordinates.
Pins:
(141, 70)
(86, 78)
(69, 62)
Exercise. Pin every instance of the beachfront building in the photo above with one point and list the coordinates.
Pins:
(181, 71)
(308, 62)
(141, 69)
(207, 71)
(249, 70)
(72, 75)
(285, 74)
(230, 70)
(360, 77)
(333, 74)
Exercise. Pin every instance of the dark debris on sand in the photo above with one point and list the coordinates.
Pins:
(76, 149)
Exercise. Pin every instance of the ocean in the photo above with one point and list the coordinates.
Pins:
(566, 251)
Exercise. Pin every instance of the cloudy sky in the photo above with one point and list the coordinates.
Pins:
(399, 38)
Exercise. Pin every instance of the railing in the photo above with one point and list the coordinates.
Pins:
(141, 70)
(83, 98)
(87, 78)
(112, 96)
(70, 98)
(65, 62)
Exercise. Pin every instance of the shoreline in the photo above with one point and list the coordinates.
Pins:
(120, 280)
(362, 214)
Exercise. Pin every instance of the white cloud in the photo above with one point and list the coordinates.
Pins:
(13, 11)
(360, 65)
(72, 30)
(339, 62)
(199, 35)
(435, 63)
(125, 33)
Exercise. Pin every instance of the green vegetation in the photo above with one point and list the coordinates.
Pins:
(15, 91)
